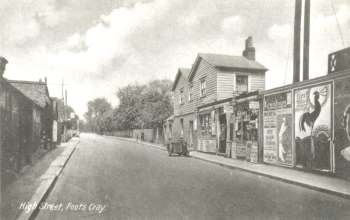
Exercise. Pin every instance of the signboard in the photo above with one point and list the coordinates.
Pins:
(241, 149)
(54, 131)
(339, 61)
(313, 126)
(342, 127)
(253, 154)
(278, 128)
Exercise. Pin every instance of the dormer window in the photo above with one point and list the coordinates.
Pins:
(203, 88)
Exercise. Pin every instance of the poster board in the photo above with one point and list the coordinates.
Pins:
(277, 130)
(312, 130)
(342, 127)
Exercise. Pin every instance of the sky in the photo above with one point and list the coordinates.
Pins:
(100, 46)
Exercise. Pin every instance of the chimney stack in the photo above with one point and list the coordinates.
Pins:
(45, 80)
(249, 51)
(3, 63)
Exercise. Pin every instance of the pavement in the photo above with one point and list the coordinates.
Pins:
(110, 178)
(323, 183)
(35, 182)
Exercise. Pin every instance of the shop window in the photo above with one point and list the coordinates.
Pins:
(241, 83)
(203, 88)
(205, 124)
(247, 127)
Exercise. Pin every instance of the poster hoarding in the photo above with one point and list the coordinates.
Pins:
(278, 128)
(342, 127)
(313, 127)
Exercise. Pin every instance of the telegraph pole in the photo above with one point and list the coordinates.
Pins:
(296, 53)
(306, 40)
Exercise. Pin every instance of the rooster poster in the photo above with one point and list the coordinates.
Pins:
(313, 127)
(342, 127)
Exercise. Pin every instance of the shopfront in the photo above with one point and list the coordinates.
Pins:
(207, 130)
(214, 128)
(246, 129)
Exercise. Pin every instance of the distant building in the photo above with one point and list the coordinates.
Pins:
(38, 92)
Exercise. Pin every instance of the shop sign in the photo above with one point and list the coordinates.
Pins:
(254, 105)
(278, 128)
(313, 127)
(54, 131)
(228, 108)
(342, 127)
(241, 149)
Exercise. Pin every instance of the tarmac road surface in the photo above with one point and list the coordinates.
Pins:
(107, 178)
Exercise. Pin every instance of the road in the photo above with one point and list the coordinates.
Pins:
(107, 178)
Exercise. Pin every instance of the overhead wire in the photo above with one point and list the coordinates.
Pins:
(338, 24)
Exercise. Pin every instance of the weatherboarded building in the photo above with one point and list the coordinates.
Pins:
(203, 111)
(38, 93)
(23, 119)
(184, 118)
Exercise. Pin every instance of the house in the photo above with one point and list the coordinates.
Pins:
(203, 103)
(38, 93)
(19, 136)
(183, 120)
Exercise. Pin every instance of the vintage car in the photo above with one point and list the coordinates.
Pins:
(178, 147)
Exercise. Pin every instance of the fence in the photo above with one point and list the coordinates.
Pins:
(153, 135)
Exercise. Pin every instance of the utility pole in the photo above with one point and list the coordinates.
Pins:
(296, 53)
(306, 40)
(65, 116)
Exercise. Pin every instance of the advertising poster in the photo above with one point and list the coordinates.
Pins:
(278, 128)
(342, 127)
(313, 127)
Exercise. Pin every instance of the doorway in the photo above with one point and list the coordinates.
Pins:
(223, 133)
(190, 141)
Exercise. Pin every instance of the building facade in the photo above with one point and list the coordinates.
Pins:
(203, 111)
(183, 121)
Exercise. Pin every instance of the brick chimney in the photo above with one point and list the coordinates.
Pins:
(3, 63)
(249, 51)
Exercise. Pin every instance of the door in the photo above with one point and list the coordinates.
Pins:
(223, 133)
(190, 141)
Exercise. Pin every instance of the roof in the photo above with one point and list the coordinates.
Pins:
(229, 61)
(181, 71)
(35, 91)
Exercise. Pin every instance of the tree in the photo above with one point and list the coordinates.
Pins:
(128, 113)
(97, 115)
(157, 104)
(143, 106)
(140, 106)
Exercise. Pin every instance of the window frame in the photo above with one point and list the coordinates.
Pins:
(181, 97)
(190, 93)
(203, 89)
(241, 84)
